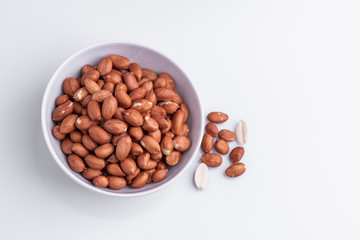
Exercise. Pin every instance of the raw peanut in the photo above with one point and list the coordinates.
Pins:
(160, 165)
(227, 135)
(128, 166)
(91, 86)
(170, 107)
(76, 136)
(116, 183)
(105, 150)
(137, 93)
(123, 147)
(136, 149)
(61, 99)
(211, 159)
(68, 124)
(86, 68)
(186, 111)
(150, 172)
(122, 97)
(94, 110)
(165, 94)
(136, 70)
(105, 66)
(121, 86)
(80, 150)
(212, 129)
(70, 85)
(150, 144)
(156, 135)
(150, 125)
(66, 146)
(62, 111)
(221, 146)
(160, 83)
(173, 158)
(151, 97)
(217, 117)
(168, 128)
(170, 135)
(130, 81)
(170, 83)
(147, 85)
(140, 180)
(112, 159)
(76, 163)
(177, 99)
(165, 123)
(167, 145)
(94, 162)
(144, 162)
(90, 173)
(235, 170)
(88, 142)
(207, 143)
(92, 75)
(236, 154)
(135, 132)
(120, 62)
(101, 181)
(86, 101)
(133, 117)
(181, 143)
(100, 96)
(118, 71)
(178, 121)
(129, 178)
(156, 157)
(109, 86)
(115, 126)
(99, 135)
(118, 113)
(84, 122)
(115, 170)
(147, 73)
(241, 132)
(157, 113)
(201, 176)
(141, 105)
(109, 107)
(100, 83)
(184, 130)
(159, 175)
(78, 108)
(113, 77)
(80, 94)
(57, 134)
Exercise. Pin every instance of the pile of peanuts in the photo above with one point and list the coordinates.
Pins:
(120, 124)
(221, 145)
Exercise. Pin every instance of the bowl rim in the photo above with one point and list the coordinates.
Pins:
(57, 158)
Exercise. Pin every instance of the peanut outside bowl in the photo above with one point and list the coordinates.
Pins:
(147, 58)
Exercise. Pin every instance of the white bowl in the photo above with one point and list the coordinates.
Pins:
(147, 58)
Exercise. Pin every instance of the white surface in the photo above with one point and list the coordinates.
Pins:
(290, 69)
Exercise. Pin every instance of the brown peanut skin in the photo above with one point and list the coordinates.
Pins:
(227, 135)
(207, 143)
(212, 129)
(211, 159)
(159, 175)
(90, 173)
(236, 154)
(221, 146)
(235, 170)
(116, 183)
(217, 117)
(76, 163)
(101, 181)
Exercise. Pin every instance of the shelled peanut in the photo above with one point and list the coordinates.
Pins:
(121, 124)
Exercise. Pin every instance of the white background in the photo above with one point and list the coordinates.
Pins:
(290, 69)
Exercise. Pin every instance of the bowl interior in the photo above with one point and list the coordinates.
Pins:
(147, 58)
